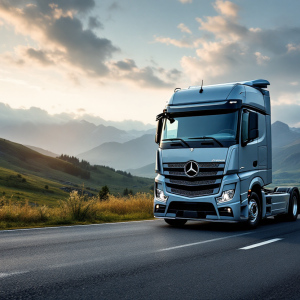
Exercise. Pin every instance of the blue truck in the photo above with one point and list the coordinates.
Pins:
(214, 159)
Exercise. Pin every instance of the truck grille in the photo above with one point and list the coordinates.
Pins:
(207, 181)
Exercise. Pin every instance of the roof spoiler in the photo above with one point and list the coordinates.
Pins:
(259, 83)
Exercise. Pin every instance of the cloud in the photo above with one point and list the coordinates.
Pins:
(261, 59)
(226, 8)
(114, 6)
(63, 41)
(94, 23)
(39, 55)
(184, 28)
(127, 64)
(80, 110)
(184, 43)
(146, 77)
(223, 28)
(232, 52)
(186, 1)
(287, 113)
(60, 31)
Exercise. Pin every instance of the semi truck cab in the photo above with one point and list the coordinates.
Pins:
(215, 157)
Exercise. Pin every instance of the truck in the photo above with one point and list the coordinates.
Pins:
(214, 158)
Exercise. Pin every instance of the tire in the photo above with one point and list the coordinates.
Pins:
(292, 214)
(254, 211)
(175, 222)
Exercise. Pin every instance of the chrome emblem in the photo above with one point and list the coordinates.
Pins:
(192, 149)
(191, 169)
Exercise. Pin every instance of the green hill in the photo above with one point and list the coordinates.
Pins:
(24, 174)
(146, 171)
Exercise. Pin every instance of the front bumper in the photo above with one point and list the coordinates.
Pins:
(204, 207)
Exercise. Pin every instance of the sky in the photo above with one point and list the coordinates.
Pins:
(121, 60)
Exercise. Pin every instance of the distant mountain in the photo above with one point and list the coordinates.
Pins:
(129, 155)
(296, 129)
(139, 133)
(146, 171)
(42, 151)
(282, 135)
(69, 138)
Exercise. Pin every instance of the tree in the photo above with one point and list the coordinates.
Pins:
(125, 193)
(130, 192)
(46, 187)
(103, 194)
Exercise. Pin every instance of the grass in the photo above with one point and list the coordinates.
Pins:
(76, 209)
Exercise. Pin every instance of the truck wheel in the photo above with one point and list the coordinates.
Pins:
(254, 211)
(292, 214)
(175, 222)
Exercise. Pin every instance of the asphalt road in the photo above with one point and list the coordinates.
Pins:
(151, 260)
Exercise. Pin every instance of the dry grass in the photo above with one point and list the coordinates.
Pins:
(76, 209)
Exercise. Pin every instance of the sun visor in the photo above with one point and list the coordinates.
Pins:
(210, 93)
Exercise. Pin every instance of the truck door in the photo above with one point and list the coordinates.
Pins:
(248, 152)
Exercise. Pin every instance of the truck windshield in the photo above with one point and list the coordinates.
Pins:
(218, 129)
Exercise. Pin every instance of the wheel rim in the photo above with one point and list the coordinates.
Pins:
(295, 205)
(253, 210)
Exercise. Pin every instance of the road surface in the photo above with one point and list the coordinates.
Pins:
(151, 260)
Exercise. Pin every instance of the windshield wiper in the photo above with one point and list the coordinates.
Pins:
(207, 137)
(178, 140)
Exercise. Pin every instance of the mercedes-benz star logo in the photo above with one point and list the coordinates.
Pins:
(191, 169)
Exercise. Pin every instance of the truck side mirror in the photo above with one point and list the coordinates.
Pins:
(158, 131)
(253, 126)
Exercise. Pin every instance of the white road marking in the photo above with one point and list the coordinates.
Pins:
(3, 275)
(71, 226)
(204, 242)
(260, 244)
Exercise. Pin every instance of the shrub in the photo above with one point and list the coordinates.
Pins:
(104, 192)
(46, 187)
(24, 180)
(78, 206)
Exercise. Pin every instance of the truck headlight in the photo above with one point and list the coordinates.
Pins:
(161, 196)
(226, 196)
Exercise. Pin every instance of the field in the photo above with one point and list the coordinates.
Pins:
(76, 209)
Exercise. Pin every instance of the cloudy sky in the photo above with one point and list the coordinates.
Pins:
(122, 59)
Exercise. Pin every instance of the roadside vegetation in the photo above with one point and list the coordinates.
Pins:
(76, 209)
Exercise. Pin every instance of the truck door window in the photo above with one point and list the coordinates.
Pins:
(245, 124)
(249, 127)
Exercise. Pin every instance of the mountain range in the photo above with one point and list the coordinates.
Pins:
(71, 137)
(129, 155)
(132, 150)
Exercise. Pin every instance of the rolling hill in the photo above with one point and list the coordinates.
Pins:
(42, 151)
(25, 173)
(146, 171)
